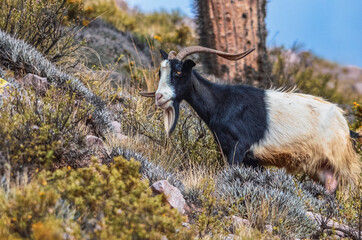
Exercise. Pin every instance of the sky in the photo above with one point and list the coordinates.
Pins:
(331, 29)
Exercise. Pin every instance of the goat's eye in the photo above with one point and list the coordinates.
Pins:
(178, 73)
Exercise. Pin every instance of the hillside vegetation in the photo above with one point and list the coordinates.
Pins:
(80, 148)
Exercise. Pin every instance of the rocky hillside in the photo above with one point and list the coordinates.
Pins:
(349, 78)
(84, 156)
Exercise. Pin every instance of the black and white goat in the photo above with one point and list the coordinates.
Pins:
(299, 132)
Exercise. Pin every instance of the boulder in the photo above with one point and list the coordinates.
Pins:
(38, 83)
(93, 141)
(173, 195)
(116, 126)
(117, 131)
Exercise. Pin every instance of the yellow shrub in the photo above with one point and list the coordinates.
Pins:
(29, 212)
(119, 204)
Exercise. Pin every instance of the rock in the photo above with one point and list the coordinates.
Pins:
(121, 137)
(93, 141)
(173, 194)
(116, 126)
(38, 83)
(238, 222)
(232, 237)
(117, 131)
(269, 228)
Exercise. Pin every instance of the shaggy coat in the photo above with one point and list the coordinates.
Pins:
(299, 132)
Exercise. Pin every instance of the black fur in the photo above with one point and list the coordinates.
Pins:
(163, 54)
(236, 114)
(353, 134)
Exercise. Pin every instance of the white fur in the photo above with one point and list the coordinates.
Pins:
(306, 134)
(168, 92)
(164, 87)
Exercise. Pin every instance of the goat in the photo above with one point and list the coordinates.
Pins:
(300, 132)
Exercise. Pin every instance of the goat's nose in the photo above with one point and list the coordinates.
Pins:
(159, 96)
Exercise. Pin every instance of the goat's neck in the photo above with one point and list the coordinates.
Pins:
(203, 97)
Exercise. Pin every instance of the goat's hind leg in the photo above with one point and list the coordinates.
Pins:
(329, 179)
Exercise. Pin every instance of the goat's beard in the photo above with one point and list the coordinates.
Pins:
(170, 116)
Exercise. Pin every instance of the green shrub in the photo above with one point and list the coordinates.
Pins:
(118, 203)
(39, 132)
(22, 58)
(48, 25)
(211, 220)
(150, 171)
(97, 202)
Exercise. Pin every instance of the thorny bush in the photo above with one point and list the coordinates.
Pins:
(48, 25)
(39, 132)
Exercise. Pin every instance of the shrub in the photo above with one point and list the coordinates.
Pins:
(48, 25)
(270, 197)
(162, 28)
(97, 202)
(20, 57)
(303, 74)
(210, 219)
(112, 47)
(113, 203)
(32, 211)
(357, 112)
(151, 171)
(40, 132)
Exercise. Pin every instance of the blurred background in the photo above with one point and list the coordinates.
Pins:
(328, 28)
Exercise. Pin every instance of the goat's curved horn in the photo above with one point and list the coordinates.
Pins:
(172, 55)
(198, 49)
(147, 94)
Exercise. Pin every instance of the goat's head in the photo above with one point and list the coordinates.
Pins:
(175, 80)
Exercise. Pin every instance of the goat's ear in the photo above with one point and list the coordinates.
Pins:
(164, 54)
(188, 64)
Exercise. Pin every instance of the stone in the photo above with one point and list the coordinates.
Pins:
(232, 237)
(116, 126)
(238, 222)
(269, 228)
(93, 141)
(117, 131)
(173, 195)
(121, 137)
(38, 83)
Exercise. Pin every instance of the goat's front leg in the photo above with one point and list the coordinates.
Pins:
(239, 154)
